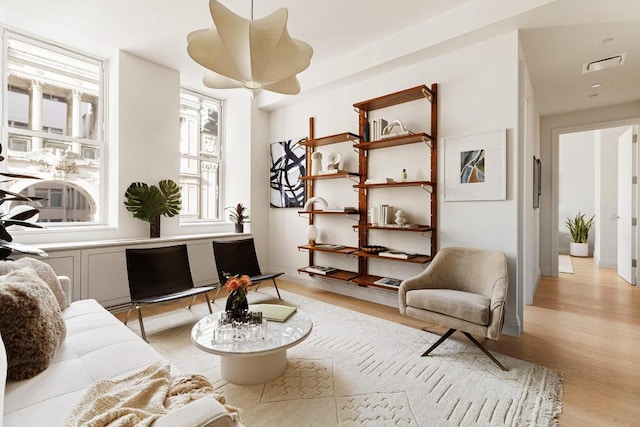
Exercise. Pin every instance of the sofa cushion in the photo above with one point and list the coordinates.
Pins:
(465, 306)
(31, 323)
(43, 270)
(3, 376)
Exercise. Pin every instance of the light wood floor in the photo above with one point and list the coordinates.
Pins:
(585, 325)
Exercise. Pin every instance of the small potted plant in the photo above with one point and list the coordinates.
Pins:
(238, 216)
(148, 203)
(579, 230)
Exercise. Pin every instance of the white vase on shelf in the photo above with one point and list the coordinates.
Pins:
(401, 219)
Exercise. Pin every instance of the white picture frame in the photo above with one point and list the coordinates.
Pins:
(475, 166)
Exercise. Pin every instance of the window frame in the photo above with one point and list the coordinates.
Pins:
(101, 140)
(220, 160)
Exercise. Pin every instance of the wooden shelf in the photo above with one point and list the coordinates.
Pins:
(344, 251)
(419, 228)
(332, 139)
(420, 259)
(342, 275)
(427, 185)
(342, 174)
(328, 213)
(415, 93)
(369, 280)
(395, 141)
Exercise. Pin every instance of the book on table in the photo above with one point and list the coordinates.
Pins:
(318, 269)
(274, 312)
(388, 281)
(397, 254)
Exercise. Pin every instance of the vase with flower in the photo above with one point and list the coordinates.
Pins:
(237, 305)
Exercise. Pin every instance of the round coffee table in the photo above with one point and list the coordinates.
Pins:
(253, 362)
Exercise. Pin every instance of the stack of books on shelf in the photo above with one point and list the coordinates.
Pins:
(397, 254)
(318, 269)
(346, 209)
(328, 246)
(375, 129)
(378, 180)
(388, 281)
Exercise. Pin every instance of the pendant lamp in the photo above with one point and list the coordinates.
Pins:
(254, 54)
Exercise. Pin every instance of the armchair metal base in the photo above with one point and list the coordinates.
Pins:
(472, 339)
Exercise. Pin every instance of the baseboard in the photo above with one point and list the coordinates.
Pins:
(512, 327)
(608, 263)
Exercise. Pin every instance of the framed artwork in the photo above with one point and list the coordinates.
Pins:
(537, 182)
(475, 167)
(287, 165)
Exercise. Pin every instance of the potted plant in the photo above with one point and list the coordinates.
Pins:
(579, 230)
(238, 216)
(22, 215)
(148, 203)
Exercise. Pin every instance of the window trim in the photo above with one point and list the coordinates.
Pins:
(221, 160)
(101, 140)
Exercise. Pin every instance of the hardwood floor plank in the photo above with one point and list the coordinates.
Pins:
(585, 325)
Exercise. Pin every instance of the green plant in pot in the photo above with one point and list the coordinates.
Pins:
(149, 203)
(20, 215)
(238, 216)
(579, 229)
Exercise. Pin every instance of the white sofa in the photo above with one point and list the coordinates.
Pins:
(97, 346)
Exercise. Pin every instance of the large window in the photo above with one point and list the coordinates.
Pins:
(52, 127)
(200, 157)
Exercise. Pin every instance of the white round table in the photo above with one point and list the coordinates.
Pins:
(253, 362)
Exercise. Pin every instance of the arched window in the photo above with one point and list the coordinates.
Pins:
(65, 202)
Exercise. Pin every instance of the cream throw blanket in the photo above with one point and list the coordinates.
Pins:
(138, 399)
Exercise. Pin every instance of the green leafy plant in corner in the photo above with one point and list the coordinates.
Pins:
(579, 227)
(18, 217)
(237, 214)
(147, 202)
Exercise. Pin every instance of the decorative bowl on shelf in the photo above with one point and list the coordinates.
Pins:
(372, 249)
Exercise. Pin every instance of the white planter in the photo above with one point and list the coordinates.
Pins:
(579, 249)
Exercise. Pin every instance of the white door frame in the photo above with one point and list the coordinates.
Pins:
(555, 178)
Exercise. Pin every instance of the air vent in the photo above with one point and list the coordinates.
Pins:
(601, 64)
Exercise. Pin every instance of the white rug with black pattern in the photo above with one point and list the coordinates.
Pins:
(356, 370)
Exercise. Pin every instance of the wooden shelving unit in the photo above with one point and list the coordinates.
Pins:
(362, 276)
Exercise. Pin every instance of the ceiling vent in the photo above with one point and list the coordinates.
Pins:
(601, 64)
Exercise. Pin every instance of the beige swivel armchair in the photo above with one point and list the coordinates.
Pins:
(463, 289)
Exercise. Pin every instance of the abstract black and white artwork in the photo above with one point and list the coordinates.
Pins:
(287, 165)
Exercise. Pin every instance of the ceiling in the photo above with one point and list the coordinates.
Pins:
(557, 36)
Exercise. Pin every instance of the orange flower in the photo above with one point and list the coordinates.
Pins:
(235, 282)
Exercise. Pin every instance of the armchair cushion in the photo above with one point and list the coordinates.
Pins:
(466, 306)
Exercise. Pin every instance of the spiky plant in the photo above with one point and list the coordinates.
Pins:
(237, 214)
(579, 228)
(14, 217)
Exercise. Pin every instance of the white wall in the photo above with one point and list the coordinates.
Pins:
(550, 129)
(478, 91)
(576, 181)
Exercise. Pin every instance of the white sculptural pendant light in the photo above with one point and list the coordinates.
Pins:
(254, 54)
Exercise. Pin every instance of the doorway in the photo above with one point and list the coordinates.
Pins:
(595, 169)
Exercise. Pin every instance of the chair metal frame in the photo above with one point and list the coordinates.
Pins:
(244, 261)
(167, 265)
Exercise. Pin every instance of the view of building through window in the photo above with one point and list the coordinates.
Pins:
(52, 128)
(200, 157)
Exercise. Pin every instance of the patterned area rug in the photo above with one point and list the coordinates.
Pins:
(356, 370)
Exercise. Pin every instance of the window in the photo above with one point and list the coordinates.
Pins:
(52, 128)
(200, 157)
